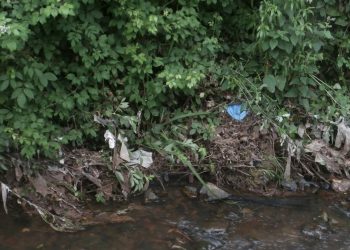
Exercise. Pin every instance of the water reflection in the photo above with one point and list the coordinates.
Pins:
(177, 222)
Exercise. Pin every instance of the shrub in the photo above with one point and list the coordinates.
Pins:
(63, 61)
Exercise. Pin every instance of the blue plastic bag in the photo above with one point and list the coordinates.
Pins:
(237, 112)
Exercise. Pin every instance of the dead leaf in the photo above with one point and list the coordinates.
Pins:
(301, 130)
(4, 191)
(107, 190)
(40, 185)
(326, 156)
(103, 122)
(125, 185)
(93, 179)
(116, 160)
(315, 146)
(18, 173)
(343, 137)
(291, 148)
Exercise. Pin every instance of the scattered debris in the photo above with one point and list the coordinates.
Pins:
(334, 160)
(58, 223)
(138, 157)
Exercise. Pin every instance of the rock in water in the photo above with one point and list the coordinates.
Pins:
(341, 185)
(190, 192)
(213, 192)
(150, 196)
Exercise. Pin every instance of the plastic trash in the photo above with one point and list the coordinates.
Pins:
(110, 138)
(141, 157)
(237, 112)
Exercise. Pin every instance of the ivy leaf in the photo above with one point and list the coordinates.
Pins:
(270, 83)
(21, 100)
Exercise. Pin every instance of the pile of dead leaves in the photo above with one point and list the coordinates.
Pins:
(333, 154)
(240, 149)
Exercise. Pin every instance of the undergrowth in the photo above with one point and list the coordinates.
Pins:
(161, 71)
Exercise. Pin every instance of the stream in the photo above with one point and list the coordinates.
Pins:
(179, 222)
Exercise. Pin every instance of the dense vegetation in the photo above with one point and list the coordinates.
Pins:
(150, 64)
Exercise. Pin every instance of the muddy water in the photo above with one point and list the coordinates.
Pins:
(178, 222)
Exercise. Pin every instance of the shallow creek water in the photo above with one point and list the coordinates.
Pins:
(178, 222)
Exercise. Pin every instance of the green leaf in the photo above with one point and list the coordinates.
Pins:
(265, 46)
(43, 80)
(29, 93)
(11, 45)
(304, 91)
(286, 46)
(50, 76)
(305, 103)
(270, 83)
(317, 45)
(273, 44)
(281, 82)
(293, 92)
(119, 176)
(16, 93)
(4, 85)
(21, 100)
(294, 39)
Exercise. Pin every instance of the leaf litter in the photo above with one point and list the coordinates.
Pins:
(56, 193)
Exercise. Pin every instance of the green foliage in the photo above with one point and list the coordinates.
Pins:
(138, 180)
(61, 62)
(100, 198)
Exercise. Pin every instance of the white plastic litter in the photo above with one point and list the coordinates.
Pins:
(141, 157)
(110, 138)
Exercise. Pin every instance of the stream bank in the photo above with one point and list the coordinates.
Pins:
(241, 156)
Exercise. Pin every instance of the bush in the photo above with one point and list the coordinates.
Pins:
(63, 61)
